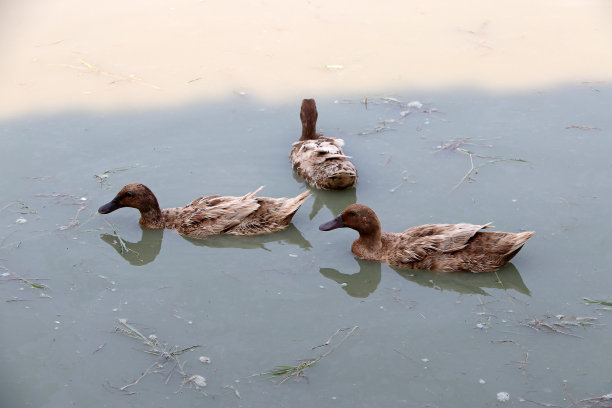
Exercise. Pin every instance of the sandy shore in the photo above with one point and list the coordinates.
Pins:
(66, 54)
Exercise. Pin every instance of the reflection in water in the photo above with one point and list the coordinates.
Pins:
(141, 252)
(146, 250)
(290, 236)
(360, 284)
(506, 278)
(335, 200)
(365, 282)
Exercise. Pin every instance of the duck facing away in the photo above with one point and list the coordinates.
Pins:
(441, 247)
(320, 159)
(212, 215)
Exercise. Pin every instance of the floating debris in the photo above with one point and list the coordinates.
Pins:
(503, 396)
(231, 387)
(334, 66)
(164, 353)
(104, 176)
(198, 380)
(601, 302)
(20, 221)
(415, 104)
(579, 127)
(564, 322)
(204, 360)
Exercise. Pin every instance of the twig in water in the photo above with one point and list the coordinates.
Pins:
(566, 322)
(582, 127)
(24, 280)
(457, 144)
(569, 396)
(164, 353)
(103, 177)
(75, 220)
(124, 248)
(524, 362)
(405, 179)
(100, 347)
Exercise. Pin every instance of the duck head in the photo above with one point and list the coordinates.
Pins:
(358, 217)
(133, 195)
(308, 116)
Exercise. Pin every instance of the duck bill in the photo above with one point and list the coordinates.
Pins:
(109, 207)
(333, 224)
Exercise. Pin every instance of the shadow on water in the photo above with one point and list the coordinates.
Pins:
(365, 282)
(505, 278)
(335, 201)
(146, 250)
(361, 284)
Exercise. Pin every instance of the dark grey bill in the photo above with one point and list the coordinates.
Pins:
(333, 224)
(109, 207)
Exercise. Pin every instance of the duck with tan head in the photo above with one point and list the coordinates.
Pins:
(441, 247)
(320, 159)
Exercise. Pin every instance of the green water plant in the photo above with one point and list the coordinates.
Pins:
(289, 371)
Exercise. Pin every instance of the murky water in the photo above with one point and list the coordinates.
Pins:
(256, 303)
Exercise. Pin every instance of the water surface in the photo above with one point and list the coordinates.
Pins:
(255, 303)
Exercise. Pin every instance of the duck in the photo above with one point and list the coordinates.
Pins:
(211, 215)
(319, 159)
(440, 247)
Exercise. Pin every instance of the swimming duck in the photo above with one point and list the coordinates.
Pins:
(441, 247)
(212, 215)
(319, 159)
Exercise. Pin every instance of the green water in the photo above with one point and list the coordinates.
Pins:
(423, 338)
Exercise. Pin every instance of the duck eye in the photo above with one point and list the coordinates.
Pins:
(129, 195)
(352, 213)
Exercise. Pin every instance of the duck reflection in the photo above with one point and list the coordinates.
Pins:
(336, 201)
(137, 253)
(146, 250)
(507, 277)
(289, 236)
(360, 284)
(365, 282)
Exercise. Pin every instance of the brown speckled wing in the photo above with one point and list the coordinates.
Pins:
(417, 242)
(216, 215)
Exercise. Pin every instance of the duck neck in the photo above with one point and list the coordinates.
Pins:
(309, 129)
(152, 217)
(372, 240)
